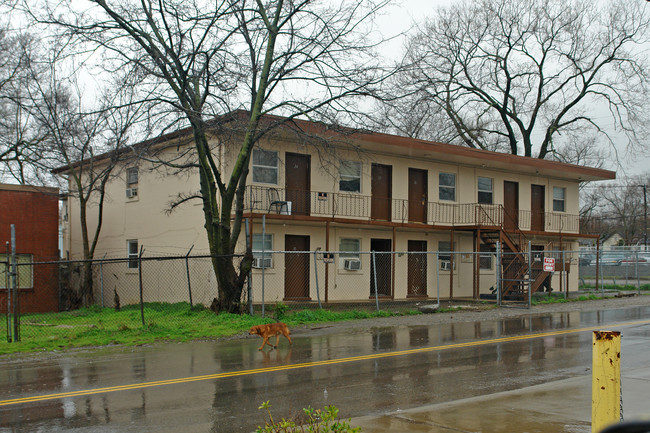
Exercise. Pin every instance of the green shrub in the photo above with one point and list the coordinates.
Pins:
(313, 421)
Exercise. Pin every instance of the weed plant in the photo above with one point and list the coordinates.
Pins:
(313, 421)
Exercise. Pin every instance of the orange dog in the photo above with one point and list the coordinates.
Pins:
(268, 331)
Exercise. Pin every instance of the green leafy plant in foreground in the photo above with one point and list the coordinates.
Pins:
(313, 421)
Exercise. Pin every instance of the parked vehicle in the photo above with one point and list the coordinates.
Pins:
(610, 259)
(619, 258)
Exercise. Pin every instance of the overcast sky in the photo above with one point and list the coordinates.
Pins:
(403, 14)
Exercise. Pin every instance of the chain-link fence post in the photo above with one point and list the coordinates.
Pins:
(14, 285)
(140, 283)
(250, 273)
(499, 273)
(7, 286)
(438, 276)
(187, 270)
(374, 269)
(285, 257)
(316, 277)
(636, 266)
(530, 275)
(565, 275)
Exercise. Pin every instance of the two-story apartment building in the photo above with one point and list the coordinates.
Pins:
(368, 192)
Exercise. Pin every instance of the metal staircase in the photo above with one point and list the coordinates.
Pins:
(515, 270)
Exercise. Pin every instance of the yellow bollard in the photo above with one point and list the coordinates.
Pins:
(606, 380)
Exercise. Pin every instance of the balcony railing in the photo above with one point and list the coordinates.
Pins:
(355, 206)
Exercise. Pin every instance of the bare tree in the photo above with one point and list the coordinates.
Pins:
(20, 140)
(204, 59)
(83, 143)
(618, 206)
(526, 76)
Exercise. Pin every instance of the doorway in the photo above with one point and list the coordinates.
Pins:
(381, 191)
(417, 269)
(537, 199)
(510, 205)
(296, 267)
(384, 267)
(417, 195)
(298, 182)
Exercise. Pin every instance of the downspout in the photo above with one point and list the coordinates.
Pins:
(327, 268)
(393, 267)
(451, 264)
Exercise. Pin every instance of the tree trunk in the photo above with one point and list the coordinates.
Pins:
(86, 290)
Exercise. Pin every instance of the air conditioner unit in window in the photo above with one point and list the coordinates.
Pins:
(445, 265)
(259, 262)
(352, 264)
(131, 192)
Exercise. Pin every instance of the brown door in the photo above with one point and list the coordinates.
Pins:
(417, 269)
(296, 267)
(417, 195)
(510, 205)
(383, 259)
(298, 182)
(537, 199)
(381, 190)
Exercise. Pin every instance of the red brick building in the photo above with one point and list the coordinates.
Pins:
(34, 211)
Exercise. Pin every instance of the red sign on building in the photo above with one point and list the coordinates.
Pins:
(549, 264)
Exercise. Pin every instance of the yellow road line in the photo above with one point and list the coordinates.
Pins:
(39, 398)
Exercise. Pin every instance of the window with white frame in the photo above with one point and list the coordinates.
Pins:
(132, 176)
(25, 277)
(131, 182)
(133, 253)
(350, 258)
(265, 166)
(444, 255)
(447, 186)
(350, 176)
(484, 187)
(262, 242)
(559, 198)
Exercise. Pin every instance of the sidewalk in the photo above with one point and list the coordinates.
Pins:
(561, 406)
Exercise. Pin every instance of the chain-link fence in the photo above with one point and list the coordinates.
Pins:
(614, 268)
(149, 291)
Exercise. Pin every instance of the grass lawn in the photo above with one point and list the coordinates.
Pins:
(98, 326)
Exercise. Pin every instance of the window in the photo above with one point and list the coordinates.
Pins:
(132, 249)
(349, 254)
(132, 176)
(484, 190)
(25, 278)
(559, 199)
(262, 243)
(444, 255)
(265, 166)
(447, 186)
(485, 260)
(132, 182)
(350, 176)
(350, 248)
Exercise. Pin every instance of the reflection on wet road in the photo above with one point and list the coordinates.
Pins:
(218, 386)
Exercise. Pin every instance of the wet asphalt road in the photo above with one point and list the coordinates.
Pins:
(217, 387)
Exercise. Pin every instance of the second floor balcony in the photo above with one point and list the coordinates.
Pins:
(263, 200)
